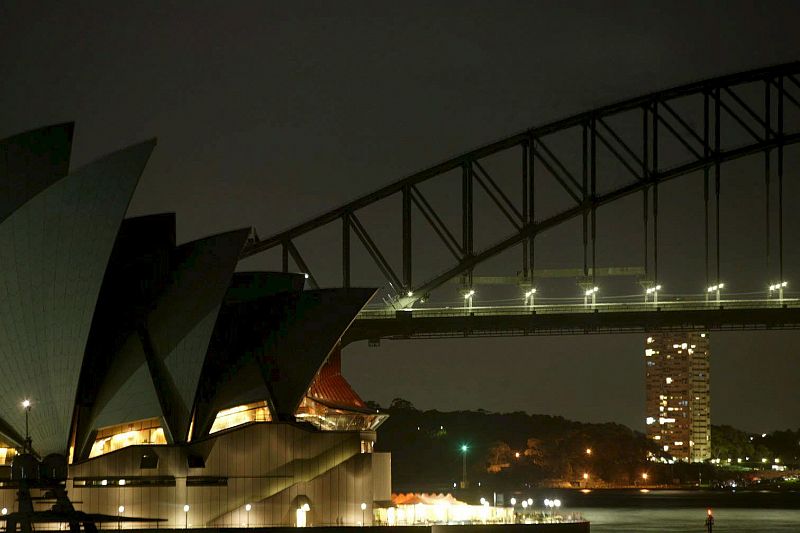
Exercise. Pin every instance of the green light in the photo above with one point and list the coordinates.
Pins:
(464, 448)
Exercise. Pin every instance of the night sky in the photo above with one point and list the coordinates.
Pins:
(268, 113)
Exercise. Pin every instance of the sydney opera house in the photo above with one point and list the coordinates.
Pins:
(170, 385)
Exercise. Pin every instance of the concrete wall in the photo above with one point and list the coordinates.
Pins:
(275, 467)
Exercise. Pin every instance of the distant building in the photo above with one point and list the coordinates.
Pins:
(678, 399)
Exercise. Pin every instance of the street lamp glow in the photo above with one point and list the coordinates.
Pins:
(590, 293)
(483, 500)
(557, 503)
(4, 511)
(644, 475)
(409, 294)
(468, 295)
(186, 508)
(363, 506)
(121, 509)
(588, 451)
(529, 296)
(514, 501)
(26, 404)
(715, 288)
(779, 286)
(306, 507)
(653, 290)
(530, 501)
(464, 448)
(248, 507)
(586, 476)
(524, 504)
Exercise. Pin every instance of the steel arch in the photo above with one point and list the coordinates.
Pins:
(707, 147)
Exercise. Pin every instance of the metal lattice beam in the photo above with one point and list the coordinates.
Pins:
(662, 118)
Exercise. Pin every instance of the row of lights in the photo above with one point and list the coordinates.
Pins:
(649, 291)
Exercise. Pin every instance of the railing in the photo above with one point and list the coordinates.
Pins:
(627, 307)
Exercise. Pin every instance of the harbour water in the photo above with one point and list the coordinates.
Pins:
(673, 511)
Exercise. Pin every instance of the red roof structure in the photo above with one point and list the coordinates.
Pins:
(329, 386)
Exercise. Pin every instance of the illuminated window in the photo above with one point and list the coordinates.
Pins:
(6, 455)
(241, 414)
(114, 438)
(330, 418)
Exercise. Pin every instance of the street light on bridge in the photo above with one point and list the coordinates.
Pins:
(529, 295)
(778, 287)
(590, 292)
(715, 288)
(654, 291)
(468, 294)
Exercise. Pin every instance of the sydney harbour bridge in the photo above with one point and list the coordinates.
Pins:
(596, 159)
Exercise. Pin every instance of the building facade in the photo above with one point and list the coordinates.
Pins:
(678, 398)
(165, 385)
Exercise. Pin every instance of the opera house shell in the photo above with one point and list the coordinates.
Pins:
(175, 387)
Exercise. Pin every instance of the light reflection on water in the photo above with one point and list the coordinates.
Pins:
(681, 519)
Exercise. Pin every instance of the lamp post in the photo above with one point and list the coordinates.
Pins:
(778, 287)
(529, 297)
(654, 291)
(186, 516)
(590, 292)
(715, 289)
(468, 294)
(26, 404)
(363, 509)
(120, 510)
(247, 509)
(464, 449)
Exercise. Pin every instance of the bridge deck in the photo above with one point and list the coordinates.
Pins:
(575, 319)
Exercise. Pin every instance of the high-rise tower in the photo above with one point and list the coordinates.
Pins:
(678, 399)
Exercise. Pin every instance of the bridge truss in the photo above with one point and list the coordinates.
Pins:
(705, 125)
